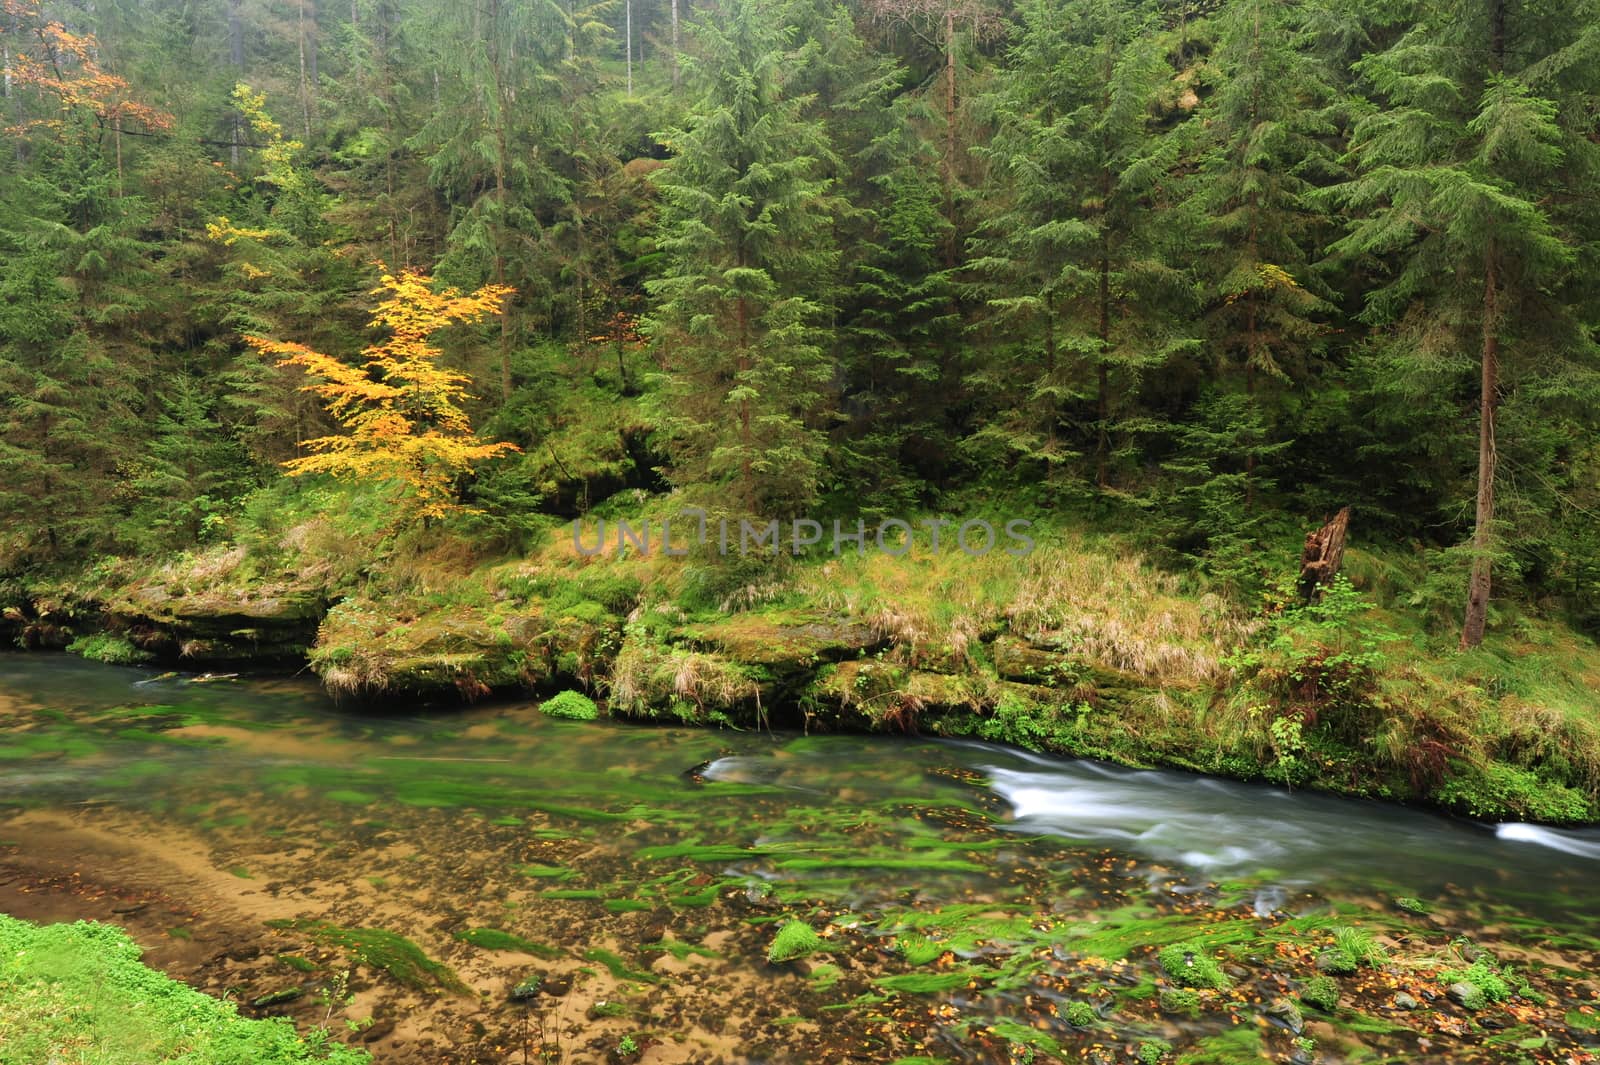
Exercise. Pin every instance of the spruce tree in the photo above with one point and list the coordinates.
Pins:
(1264, 153)
(747, 249)
(1471, 169)
(1075, 256)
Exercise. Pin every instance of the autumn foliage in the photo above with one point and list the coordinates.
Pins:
(400, 408)
(64, 66)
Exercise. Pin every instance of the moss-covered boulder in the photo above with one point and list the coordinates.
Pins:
(1019, 660)
(365, 649)
(218, 624)
(783, 644)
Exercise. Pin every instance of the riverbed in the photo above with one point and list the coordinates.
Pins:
(494, 885)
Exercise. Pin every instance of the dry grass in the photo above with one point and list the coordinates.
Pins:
(1104, 604)
(646, 675)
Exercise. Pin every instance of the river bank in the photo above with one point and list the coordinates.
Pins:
(493, 882)
(1083, 647)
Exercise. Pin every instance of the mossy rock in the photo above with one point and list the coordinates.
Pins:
(788, 645)
(220, 624)
(573, 706)
(1321, 992)
(1018, 660)
(368, 649)
(1180, 1000)
(1189, 966)
(794, 940)
(1337, 962)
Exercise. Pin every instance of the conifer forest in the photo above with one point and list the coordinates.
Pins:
(804, 531)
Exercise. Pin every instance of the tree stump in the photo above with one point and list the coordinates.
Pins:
(1323, 553)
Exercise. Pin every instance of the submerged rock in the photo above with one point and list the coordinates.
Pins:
(1467, 996)
(1285, 1013)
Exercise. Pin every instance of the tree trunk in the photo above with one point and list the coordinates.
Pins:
(1323, 554)
(1102, 451)
(1483, 526)
(950, 132)
(628, 7)
(236, 57)
(305, 91)
(116, 136)
(674, 44)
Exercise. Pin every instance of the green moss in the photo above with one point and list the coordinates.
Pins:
(1484, 976)
(386, 951)
(494, 939)
(1498, 790)
(354, 798)
(825, 976)
(1231, 1047)
(619, 968)
(1321, 992)
(1154, 1051)
(573, 706)
(546, 872)
(80, 991)
(1080, 1014)
(795, 939)
(927, 983)
(1189, 966)
(1180, 1000)
(1411, 905)
(681, 950)
(105, 647)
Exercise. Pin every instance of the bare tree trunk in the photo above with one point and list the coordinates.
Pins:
(1478, 585)
(950, 131)
(236, 56)
(628, 5)
(674, 44)
(1103, 370)
(305, 92)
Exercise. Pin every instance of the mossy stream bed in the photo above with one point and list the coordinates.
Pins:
(495, 885)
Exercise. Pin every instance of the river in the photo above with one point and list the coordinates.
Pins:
(592, 891)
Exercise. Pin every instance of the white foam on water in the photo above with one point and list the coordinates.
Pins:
(1587, 846)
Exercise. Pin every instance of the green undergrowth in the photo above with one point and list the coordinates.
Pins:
(78, 994)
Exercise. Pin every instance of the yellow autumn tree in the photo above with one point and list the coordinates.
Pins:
(401, 410)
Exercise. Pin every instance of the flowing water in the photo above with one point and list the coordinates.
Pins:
(650, 867)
